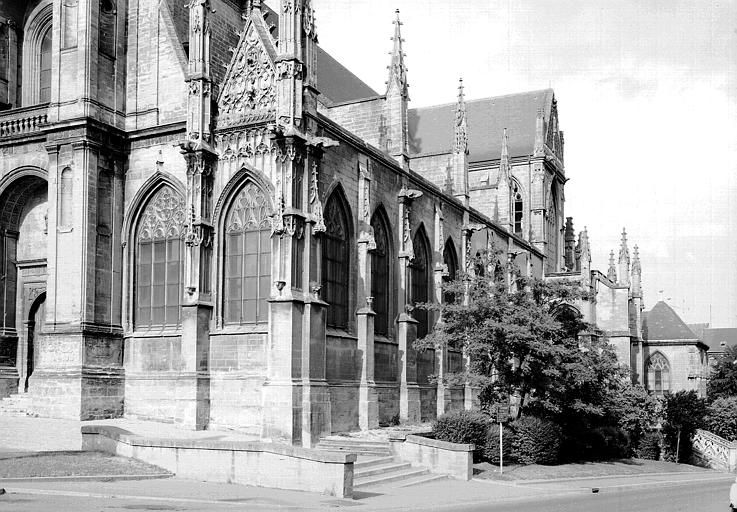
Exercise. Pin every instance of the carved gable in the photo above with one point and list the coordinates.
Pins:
(249, 90)
(554, 136)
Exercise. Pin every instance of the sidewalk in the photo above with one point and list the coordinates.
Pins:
(25, 434)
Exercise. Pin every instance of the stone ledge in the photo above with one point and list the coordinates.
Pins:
(119, 434)
(443, 445)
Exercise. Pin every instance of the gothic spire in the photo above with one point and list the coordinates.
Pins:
(624, 261)
(636, 274)
(624, 252)
(397, 69)
(461, 124)
(612, 272)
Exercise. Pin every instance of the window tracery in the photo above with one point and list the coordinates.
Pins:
(380, 270)
(335, 264)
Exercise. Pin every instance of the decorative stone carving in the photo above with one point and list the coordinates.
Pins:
(164, 217)
(250, 91)
(315, 202)
(250, 210)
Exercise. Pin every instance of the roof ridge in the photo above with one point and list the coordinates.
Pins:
(487, 98)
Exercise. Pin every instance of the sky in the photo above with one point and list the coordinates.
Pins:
(647, 98)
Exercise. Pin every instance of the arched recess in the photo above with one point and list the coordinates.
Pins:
(23, 229)
(35, 318)
(657, 370)
(450, 260)
(337, 242)
(381, 271)
(243, 248)
(570, 318)
(153, 260)
(37, 47)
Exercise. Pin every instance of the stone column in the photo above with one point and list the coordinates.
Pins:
(409, 391)
(470, 393)
(368, 406)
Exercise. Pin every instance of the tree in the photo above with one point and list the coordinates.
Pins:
(721, 418)
(683, 413)
(525, 342)
(723, 379)
(632, 409)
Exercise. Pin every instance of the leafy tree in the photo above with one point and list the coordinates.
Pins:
(683, 413)
(525, 342)
(723, 380)
(632, 409)
(721, 417)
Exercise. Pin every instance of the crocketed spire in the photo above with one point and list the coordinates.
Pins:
(397, 69)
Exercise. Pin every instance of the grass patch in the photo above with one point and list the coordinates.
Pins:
(49, 464)
(622, 467)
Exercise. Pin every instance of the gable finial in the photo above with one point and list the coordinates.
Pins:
(397, 68)
(461, 124)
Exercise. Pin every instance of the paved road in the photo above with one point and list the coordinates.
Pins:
(685, 497)
(706, 496)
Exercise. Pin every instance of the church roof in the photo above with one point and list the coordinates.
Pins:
(334, 81)
(431, 128)
(715, 336)
(662, 323)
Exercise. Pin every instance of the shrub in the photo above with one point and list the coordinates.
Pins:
(684, 412)
(536, 441)
(491, 448)
(721, 417)
(467, 427)
(608, 443)
(648, 446)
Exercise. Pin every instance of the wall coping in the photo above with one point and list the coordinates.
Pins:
(119, 434)
(422, 439)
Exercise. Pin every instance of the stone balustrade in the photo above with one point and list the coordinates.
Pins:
(714, 451)
(20, 121)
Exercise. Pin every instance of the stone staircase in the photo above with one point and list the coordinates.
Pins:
(376, 466)
(17, 404)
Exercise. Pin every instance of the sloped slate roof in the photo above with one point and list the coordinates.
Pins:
(334, 80)
(662, 323)
(431, 128)
(716, 335)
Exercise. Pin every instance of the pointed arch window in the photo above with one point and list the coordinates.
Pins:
(420, 281)
(553, 231)
(335, 262)
(158, 261)
(658, 374)
(517, 208)
(380, 269)
(247, 252)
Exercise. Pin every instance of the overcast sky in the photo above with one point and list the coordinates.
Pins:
(647, 97)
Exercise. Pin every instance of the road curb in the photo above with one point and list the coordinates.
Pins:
(605, 477)
(85, 478)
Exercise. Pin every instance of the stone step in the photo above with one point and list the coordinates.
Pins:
(389, 477)
(382, 469)
(357, 451)
(420, 480)
(371, 461)
(353, 440)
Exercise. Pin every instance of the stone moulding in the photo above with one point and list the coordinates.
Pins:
(247, 463)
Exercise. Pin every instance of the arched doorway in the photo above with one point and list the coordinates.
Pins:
(23, 232)
(34, 326)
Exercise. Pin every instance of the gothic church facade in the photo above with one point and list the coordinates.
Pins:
(236, 238)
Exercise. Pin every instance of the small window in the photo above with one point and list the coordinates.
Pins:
(517, 209)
